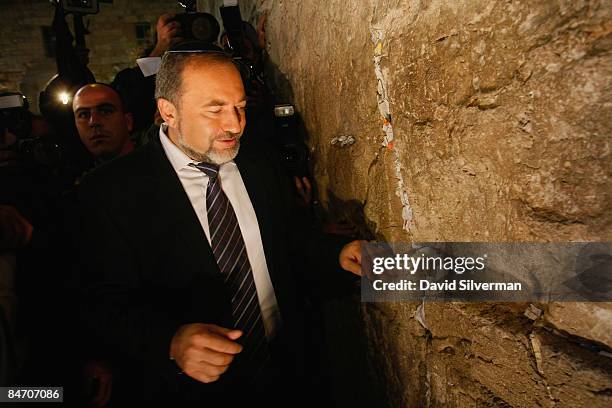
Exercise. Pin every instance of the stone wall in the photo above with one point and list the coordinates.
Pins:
(23, 64)
(498, 130)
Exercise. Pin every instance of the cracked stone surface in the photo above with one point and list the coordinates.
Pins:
(501, 115)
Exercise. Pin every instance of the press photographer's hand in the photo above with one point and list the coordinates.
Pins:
(168, 34)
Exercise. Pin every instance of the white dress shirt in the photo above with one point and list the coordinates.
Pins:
(195, 183)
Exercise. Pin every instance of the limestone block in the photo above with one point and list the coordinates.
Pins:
(589, 321)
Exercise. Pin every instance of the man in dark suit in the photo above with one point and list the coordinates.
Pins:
(189, 254)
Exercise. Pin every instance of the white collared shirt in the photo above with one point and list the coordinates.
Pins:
(195, 183)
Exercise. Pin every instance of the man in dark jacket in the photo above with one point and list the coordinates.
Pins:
(190, 257)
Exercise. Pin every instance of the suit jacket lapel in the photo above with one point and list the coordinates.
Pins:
(171, 198)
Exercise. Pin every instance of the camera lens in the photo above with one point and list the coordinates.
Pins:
(202, 29)
(295, 158)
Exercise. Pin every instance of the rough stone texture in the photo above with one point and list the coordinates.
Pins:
(591, 321)
(500, 113)
(113, 43)
(501, 122)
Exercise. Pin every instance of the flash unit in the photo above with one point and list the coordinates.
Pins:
(13, 100)
(64, 98)
(283, 110)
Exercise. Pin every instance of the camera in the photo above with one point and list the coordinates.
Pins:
(240, 40)
(14, 114)
(294, 152)
(233, 24)
(16, 119)
(197, 26)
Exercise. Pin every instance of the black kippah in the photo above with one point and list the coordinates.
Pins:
(197, 46)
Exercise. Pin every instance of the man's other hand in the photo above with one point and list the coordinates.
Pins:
(350, 257)
(204, 351)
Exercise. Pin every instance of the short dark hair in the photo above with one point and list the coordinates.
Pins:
(170, 74)
(122, 98)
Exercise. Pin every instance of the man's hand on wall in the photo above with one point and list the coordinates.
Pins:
(204, 351)
(350, 257)
(168, 34)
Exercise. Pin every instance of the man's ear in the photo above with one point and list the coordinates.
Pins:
(168, 112)
(129, 121)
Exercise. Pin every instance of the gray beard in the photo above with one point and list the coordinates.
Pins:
(211, 156)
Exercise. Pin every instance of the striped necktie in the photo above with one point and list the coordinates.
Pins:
(230, 252)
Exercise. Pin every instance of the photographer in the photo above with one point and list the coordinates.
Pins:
(36, 252)
(137, 90)
(15, 229)
(29, 157)
(168, 33)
